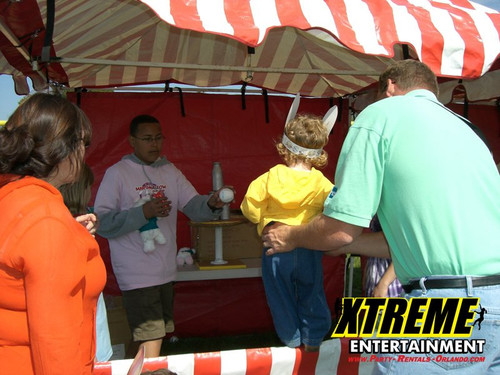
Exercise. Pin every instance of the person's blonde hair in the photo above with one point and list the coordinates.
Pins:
(306, 131)
(74, 193)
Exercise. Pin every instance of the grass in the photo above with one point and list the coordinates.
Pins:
(259, 340)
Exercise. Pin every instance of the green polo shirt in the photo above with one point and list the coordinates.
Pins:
(431, 180)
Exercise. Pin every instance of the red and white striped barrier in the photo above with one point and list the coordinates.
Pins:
(333, 358)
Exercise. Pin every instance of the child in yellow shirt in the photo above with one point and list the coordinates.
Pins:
(293, 194)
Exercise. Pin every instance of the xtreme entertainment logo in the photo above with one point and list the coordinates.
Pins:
(428, 325)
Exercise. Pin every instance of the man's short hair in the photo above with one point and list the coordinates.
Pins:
(141, 119)
(408, 75)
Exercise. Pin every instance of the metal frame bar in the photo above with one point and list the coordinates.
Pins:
(254, 69)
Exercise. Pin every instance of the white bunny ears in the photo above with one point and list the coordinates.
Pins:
(328, 120)
(138, 362)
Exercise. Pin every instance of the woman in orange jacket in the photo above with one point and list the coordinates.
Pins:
(51, 272)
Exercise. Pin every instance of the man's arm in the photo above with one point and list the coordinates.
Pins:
(205, 207)
(198, 209)
(371, 244)
(382, 288)
(322, 233)
(115, 221)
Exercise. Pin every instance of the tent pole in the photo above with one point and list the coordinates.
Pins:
(150, 64)
(12, 38)
(49, 30)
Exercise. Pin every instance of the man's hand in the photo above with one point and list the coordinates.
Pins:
(322, 233)
(277, 238)
(214, 202)
(157, 207)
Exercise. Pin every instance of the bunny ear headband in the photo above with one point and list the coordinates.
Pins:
(329, 120)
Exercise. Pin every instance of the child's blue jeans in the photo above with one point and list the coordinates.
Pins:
(294, 289)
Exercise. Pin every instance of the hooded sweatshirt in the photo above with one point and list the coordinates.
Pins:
(285, 195)
(51, 275)
(121, 217)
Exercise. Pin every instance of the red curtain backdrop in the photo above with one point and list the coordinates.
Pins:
(487, 118)
(213, 128)
(201, 129)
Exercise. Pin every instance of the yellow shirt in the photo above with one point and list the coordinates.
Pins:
(285, 195)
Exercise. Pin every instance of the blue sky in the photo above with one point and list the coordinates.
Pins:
(9, 99)
(493, 4)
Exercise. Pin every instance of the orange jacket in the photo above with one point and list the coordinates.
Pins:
(51, 274)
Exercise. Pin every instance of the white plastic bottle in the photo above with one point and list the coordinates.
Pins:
(217, 180)
(217, 183)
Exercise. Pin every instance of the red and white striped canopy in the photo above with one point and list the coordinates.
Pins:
(316, 47)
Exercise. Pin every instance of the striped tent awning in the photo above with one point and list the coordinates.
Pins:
(332, 358)
(322, 48)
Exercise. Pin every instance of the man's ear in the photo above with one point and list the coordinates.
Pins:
(391, 88)
(131, 140)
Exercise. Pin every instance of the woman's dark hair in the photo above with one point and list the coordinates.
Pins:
(42, 132)
(74, 193)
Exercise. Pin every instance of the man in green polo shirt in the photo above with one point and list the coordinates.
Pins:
(435, 187)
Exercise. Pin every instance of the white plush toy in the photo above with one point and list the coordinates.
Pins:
(185, 256)
(150, 231)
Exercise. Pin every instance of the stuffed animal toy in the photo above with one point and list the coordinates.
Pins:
(150, 231)
(185, 256)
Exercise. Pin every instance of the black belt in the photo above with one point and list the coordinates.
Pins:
(459, 282)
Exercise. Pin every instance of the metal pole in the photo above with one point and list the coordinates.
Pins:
(255, 69)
